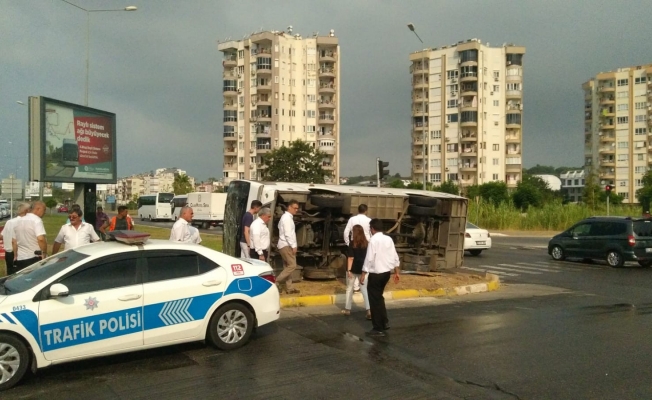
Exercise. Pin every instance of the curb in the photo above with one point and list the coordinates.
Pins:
(327, 300)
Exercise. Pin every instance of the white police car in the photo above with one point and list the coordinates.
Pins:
(111, 297)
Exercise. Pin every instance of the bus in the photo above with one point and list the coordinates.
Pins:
(70, 153)
(156, 206)
(177, 204)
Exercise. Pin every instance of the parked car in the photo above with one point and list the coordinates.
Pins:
(4, 211)
(476, 239)
(613, 239)
(62, 209)
(111, 297)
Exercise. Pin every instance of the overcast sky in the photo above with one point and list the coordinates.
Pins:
(159, 69)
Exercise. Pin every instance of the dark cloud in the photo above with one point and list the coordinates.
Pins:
(159, 69)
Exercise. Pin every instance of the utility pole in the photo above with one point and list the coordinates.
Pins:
(377, 171)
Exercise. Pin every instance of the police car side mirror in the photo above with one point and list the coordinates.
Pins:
(58, 290)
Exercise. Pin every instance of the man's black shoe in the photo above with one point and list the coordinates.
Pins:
(386, 327)
(375, 333)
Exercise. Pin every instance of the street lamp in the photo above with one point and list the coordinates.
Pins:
(423, 111)
(88, 34)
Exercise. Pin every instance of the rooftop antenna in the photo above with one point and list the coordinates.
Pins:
(290, 29)
(332, 33)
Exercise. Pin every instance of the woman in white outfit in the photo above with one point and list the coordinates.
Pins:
(356, 255)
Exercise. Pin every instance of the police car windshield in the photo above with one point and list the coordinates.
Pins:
(42, 270)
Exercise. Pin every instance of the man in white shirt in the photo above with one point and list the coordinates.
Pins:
(181, 229)
(29, 242)
(381, 259)
(287, 246)
(362, 220)
(245, 224)
(259, 234)
(75, 233)
(7, 236)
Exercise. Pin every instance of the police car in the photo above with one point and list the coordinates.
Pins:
(114, 297)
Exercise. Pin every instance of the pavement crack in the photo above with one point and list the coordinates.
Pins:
(492, 386)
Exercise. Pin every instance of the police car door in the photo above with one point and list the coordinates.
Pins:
(180, 287)
(102, 312)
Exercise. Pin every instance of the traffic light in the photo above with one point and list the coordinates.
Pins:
(381, 171)
(609, 188)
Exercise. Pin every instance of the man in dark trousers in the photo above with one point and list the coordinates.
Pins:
(245, 224)
(381, 260)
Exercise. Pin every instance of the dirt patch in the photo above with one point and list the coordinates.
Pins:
(431, 281)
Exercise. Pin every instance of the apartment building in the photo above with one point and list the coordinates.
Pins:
(158, 180)
(572, 185)
(279, 87)
(467, 113)
(617, 128)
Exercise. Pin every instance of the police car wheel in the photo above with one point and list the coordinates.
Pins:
(14, 361)
(231, 326)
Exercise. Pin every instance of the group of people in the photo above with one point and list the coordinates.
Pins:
(371, 256)
(25, 237)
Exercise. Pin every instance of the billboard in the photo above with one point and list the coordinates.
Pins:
(71, 143)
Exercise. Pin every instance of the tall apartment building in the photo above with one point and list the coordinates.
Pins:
(617, 128)
(278, 88)
(467, 106)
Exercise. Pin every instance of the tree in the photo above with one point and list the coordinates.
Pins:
(450, 187)
(51, 203)
(591, 193)
(181, 184)
(397, 183)
(298, 162)
(644, 194)
(494, 192)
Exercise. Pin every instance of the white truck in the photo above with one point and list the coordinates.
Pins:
(207, 207)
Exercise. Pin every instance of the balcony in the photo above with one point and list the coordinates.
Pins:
(606, 89)
(513, 94)
(468, 167)
(230, 151)
(419, 126)
(514, 138)
(470, 151)
(326, 119)
(263, 148)
(325, 103)
(327, 55)
(230, 136)
(327, 72)
(513, 167)
(469, 91)
(417, 168)
(230, 166)
(230, 61)
(263, 117)
(263, 101)
(327, 87)
(230, 73)
(417, 139)
(467, 106)
(607, 112)
(607, 125)
(417, 155)
(469, 77)
(230, 91)
(418, 112)
(607, 100)
(420, 84)
(327, 149)
(263, 71)
(230, 105)
(468, 137)
(511, 151)
(514, 107)
(327, 134)
(607, 150)
(607, 162)
(468, 123)
(264, 87)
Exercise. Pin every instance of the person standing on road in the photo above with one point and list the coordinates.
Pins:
(357, 253)
(7, 236)
(381, 259)
(362, 220)
(29, 242)
(181, 229)
(75, 233)
(287, 246)
(259, 234)
(101, 218)
(121, 222)
(247, 220)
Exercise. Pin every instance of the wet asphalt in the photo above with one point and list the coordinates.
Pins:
(569, 331)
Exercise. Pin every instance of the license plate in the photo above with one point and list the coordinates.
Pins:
(648, 250)
(483, 243)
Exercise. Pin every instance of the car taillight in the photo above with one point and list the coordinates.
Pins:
(631, 240)
(269, 276)
(468, 235)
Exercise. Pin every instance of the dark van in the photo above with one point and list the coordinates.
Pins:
(613, 239)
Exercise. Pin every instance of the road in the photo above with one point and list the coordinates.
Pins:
(554, 331)
(168, 225)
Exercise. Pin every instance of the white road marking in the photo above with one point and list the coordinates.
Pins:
(499, 273)
(519, 270)
(528, 268)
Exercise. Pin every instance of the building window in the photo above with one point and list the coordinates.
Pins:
(496, 103)
(311, 129)
(230, 116)
(496, 161)
(513, 86)
(623, 157)
(639, 182)
(496, 88)
(640, 79)
(451, 148)
(435, 162)
(451, 103)
(640, 131)
(241, 54)
(451, 162)
(623, 107)
(639, 118)
(435, 134)
(312, 98)
(623, 82)
(494, 177)
(496, 147)
(311, 113)
(640, 157)
(623, 145)
(436, 178)
(451, 118)
(452, 74)
(622, 95)
(624, 195)
(622, 120)
(451, 177)
(640, 170)
(640, 105)
(435, 148)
